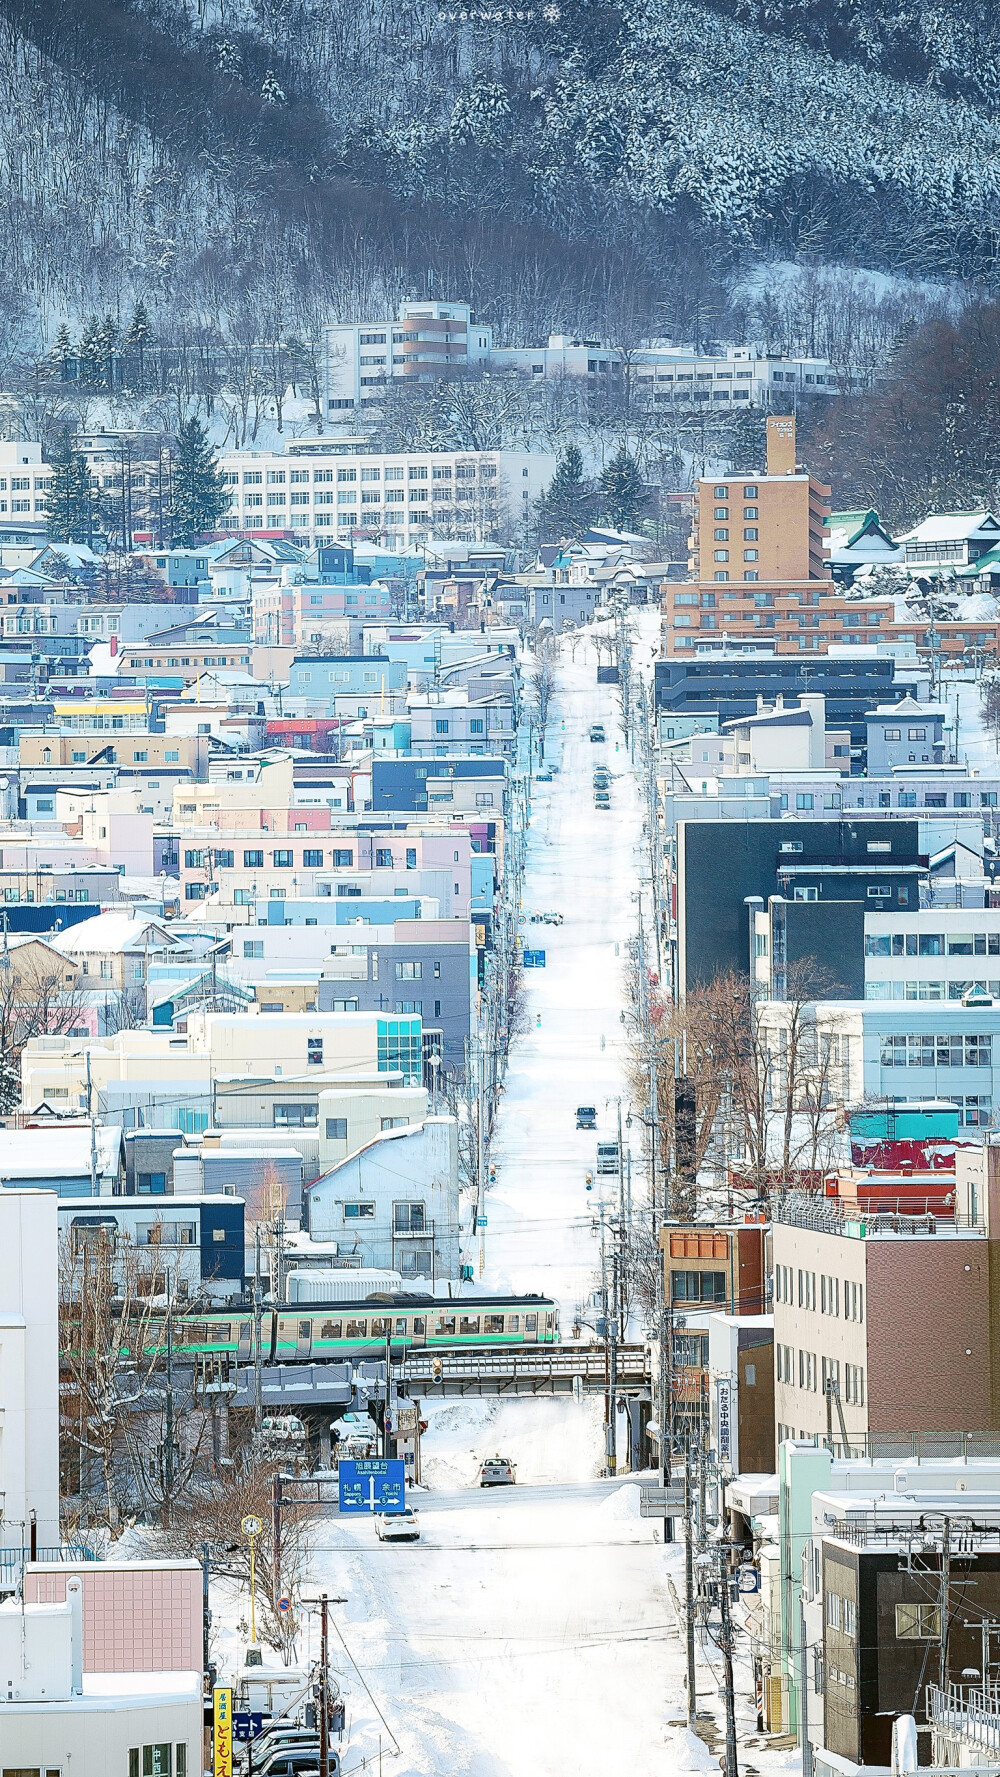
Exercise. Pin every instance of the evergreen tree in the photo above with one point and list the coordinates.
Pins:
(62, 351)
(70, 499)
(199, 496)
(623, 494)
(137, 340)
(567, 505)
(89, 350)
(107, 342)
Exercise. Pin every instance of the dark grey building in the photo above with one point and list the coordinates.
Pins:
(429, 968)
(732, 683)
(721, 865)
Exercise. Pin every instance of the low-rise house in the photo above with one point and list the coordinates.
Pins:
(395, 1203)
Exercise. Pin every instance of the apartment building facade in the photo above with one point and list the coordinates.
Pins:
(424, 341)
(344, 489)
(850, 1303)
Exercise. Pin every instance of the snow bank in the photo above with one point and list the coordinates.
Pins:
(622, 1506)
(548, 1440)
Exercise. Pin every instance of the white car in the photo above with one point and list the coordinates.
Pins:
(397, 1527)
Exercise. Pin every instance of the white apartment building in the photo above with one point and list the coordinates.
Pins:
(423, 341)
(24, 482)
(327, 490)
(936, 954)
(667, 374)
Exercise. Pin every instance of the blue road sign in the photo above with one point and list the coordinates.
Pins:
(247, 1724)
(534, 959)
(371, 1484)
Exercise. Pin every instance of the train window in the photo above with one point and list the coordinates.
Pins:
(357, 1329)
(305, 1328)
(531, 1323)
(381, 1329)
(420, 1326)
(195, 1332)
(493, 1323)
(469, 1323)
(550, 1320)
(332, 1329)
(445, 1326)
(513, 1323)
(401, 1328)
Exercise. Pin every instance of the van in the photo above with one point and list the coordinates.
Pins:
(597, 731)
(607, 1157)
(586, 1116)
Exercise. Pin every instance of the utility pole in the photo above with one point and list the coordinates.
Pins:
(613, 1371)
(945, 1606)
(692, 1691)
(807, 1751)
(481, 1155)
(726, 1638)
(258, 1359)
(168, 1418)
(93, 1129)
(324, 1702)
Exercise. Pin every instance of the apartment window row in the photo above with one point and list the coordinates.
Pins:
(926, 989)
(797, 1288)
(948, 1050)
(932, 944)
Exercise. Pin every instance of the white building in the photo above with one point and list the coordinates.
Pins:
(669, 375)
(949, 540)
(327, 490)
(24, 482)
(395, 1203)
(29, 1371)
(423, 342)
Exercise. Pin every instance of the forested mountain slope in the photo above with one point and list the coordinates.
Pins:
(581, 161)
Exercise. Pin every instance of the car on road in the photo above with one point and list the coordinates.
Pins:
(602, 799)
(552, 919)
(597, 731)
(586, 1116)
(497, 1472)
(398, 1527)
(602, 777)
(544, 776)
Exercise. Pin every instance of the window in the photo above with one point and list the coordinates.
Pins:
(359, 1212)
(918, 1622)
(805, 894)
(312, 860)
(253, 948)
(409, 971)
(698, 1286)
(224, 859)
(253, 860)
(336, 1128)
(916, 733)
(408, 1218)
(282, 860)
(151, 1184)
(294, 1116)
(383, 859)
(803, 800)
(342, 860)
(314, 1051)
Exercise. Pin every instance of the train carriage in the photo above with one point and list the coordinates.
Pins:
(337, 1329)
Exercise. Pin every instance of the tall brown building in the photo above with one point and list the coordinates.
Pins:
(758, 563)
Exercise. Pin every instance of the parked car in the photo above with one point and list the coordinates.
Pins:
(597, 731)
(586, 1116)
(304, 1763)
(602, 777)
(398, 1527)
(544, 776)
(552, 919)
(497, 1472)
(281, 1737)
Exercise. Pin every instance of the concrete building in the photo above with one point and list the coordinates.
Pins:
(906, 733)
(29, 1371)
(423, 342)
(394, 1205)
(849, 1304)
(346, 490)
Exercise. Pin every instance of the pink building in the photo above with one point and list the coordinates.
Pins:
(138, 1616)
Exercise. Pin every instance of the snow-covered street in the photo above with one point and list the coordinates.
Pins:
(531, 1630)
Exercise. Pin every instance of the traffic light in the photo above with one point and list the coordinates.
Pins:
(436, 1369)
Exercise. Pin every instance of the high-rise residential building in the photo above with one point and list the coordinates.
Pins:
(759, 563)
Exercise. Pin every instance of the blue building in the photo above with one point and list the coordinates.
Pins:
(319, 679)
(403, 783)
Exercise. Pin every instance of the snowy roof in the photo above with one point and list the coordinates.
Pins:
(945, 527)
(907, 706)
(57, 1151)
(113, 932)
